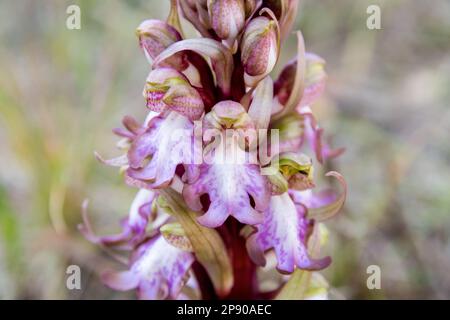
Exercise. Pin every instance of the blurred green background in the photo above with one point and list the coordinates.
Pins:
(387, 102)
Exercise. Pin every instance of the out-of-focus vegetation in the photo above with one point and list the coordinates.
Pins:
(387, 102)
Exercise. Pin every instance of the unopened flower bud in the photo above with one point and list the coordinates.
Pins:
(168, 89)
(227, 18)
(154, 37)
(259, 47)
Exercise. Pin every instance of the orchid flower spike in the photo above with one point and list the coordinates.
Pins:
(225, 161)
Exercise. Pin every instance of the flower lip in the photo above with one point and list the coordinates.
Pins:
(158, 270)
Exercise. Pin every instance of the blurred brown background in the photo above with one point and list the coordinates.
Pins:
(387, 102)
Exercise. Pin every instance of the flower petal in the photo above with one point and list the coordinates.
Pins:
(261, 106)
(133, 227)
(285, 229)
(298, 86)
(167, 142)
(158, 269)
(299, 284)
(221, 58)
(121, 281)
(229, 185)
(154, 37)
(325, 204)
(227, 18)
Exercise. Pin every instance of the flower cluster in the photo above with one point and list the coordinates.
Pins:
(201, 219)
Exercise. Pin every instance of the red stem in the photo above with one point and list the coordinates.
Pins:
(244, 269)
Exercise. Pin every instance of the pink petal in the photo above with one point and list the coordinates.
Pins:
(285, 229)
(122, 281)
(167, 143)
(229, 186)
(161, 269)
(221, 57)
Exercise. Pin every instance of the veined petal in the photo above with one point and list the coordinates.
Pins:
(286, 230)
(119, 161)
(167, 143)
(300, 282)
(133, 227)
(221, 58)
(158, 270)
(229, 185)
(185, 100)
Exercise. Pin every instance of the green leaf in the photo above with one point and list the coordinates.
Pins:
(207, 244)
